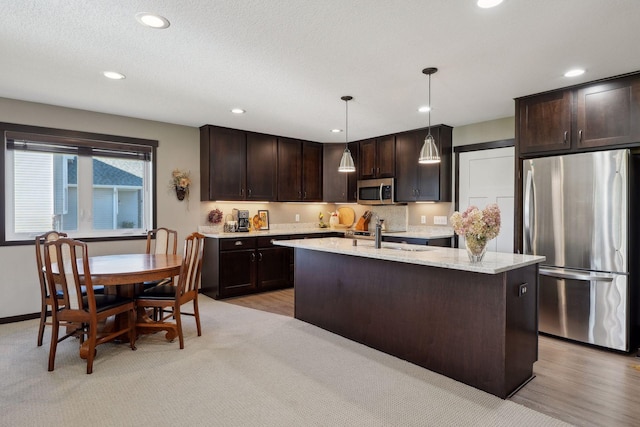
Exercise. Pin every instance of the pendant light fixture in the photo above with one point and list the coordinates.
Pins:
(429, 152)
(346, 163)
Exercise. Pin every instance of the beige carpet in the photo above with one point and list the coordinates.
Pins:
(250, 368)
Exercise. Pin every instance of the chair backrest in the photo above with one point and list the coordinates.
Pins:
(40, 241)
(69, 255)
(162, 241)
(189, 277)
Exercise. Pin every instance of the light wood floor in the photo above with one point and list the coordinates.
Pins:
(575, 383)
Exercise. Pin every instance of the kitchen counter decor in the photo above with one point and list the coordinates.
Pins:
(215, 216)
(477, 227)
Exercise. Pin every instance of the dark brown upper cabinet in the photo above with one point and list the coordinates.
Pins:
(237, 165)
(262, 171)
(338, 187)
(376, 158)
(299, 171)
(608, 113)
(593, 115)
(420, 182)
(544, 122)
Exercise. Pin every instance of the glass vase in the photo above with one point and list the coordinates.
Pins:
(476, 248)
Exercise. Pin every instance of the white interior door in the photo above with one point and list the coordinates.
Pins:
(486, 176)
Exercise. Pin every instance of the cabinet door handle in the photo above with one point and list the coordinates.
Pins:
(305, 195)
(580, 135)
(377, 171)
(249, 192)
(242, 191)
(260, 256)
(253, 257)
(238, 243)
(373, 171)
(566, 135)
(299, 194)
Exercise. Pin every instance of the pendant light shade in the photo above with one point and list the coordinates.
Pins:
(346, 162)
(429, 152)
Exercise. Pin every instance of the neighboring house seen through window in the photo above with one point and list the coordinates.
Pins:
(87, 187)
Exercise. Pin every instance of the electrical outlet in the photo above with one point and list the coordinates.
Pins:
(522, 289)
(423, 219)
(297, 217)
(440, 220)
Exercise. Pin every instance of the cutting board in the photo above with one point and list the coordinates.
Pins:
(347, 216)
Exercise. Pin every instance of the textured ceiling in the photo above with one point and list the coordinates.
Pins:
(288, 62)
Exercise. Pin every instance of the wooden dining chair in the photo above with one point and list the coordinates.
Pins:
(173, 297)
(46, 302)
(161, 241)
(74, 308)
(46, 297)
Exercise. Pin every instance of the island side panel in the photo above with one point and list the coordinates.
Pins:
(449, 321)
(521, 324)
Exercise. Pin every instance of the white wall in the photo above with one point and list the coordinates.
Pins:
(178, 148)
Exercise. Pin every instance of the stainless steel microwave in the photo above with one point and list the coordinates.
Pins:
(376, 191)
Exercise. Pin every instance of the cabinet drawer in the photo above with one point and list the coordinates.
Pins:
(235, 244)
(266, 241)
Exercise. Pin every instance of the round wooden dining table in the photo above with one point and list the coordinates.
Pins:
(124, 275)
(129, 269)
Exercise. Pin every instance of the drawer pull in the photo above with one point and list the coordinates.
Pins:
(238, 243)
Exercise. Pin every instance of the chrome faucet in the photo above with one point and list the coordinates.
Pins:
(378, 234)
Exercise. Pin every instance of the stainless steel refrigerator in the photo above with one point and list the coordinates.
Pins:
(575, 213)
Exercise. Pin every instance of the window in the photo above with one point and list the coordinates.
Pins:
(87, 185)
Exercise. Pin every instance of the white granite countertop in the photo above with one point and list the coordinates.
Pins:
(275, 232)
(456, 259)
(427, 234)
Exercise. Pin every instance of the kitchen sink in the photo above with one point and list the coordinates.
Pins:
(406, 249)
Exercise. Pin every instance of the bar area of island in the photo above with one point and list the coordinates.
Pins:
(476, 323)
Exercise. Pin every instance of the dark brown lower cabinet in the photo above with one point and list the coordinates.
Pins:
(272, 264)
(246, 265)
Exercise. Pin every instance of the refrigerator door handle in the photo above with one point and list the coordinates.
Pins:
(528, 211)
(576, 275)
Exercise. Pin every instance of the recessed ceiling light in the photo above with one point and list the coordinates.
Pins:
(152, 20)
(574, 73)
(336, 130)
(485, 4)
(238, 111)
(424, 109)
(113, 75)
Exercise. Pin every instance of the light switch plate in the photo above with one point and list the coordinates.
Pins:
(297, 217)
(423, 219)
(440, 220)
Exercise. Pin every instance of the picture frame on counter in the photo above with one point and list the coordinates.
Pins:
(263, 216)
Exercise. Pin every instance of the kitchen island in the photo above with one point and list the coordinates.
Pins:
(475, 323)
